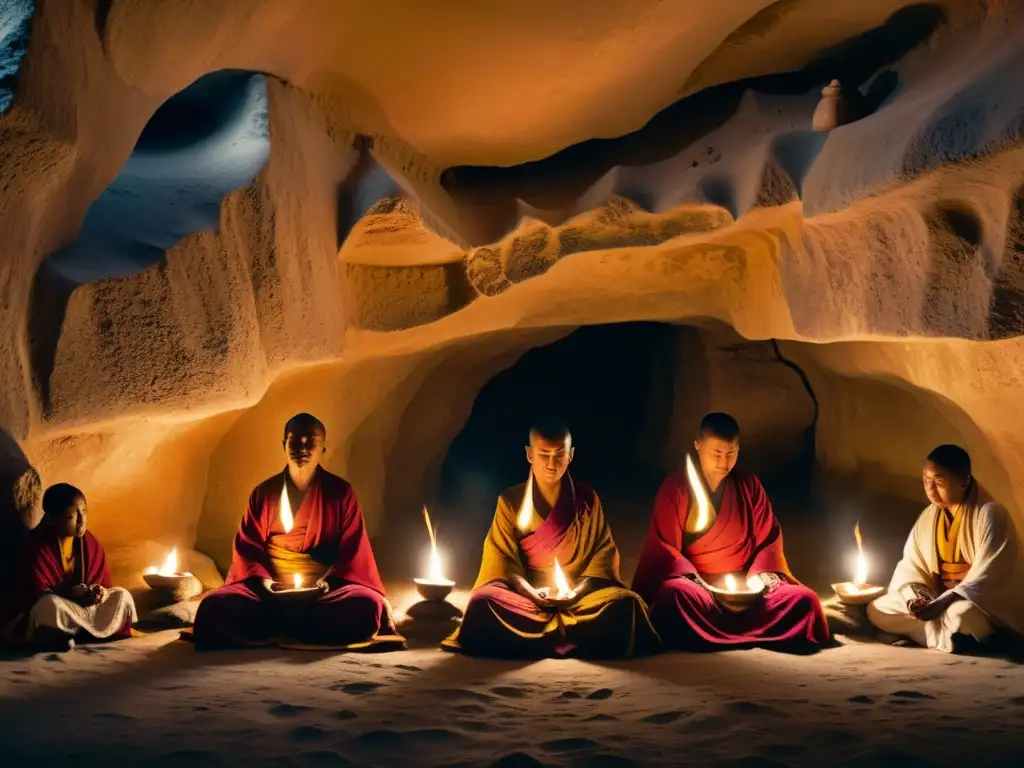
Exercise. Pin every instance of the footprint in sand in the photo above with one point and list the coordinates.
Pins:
(568, 695)
(601, 694)
(306, 733)
(460, 694)
(281, 709)
(601, 760)
(398, 740)
(54, 657)
(911, 695)
(510, 692)
(861, 700)
(663, 718)
(356, 689)
(408, 668)
(750, 708)
(517, 760)
(561, 746)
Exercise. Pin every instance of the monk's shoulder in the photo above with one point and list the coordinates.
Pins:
(334, 485)
(587, 499)
(270, 487)
(91, 542)
(512, 497)
(674, 484)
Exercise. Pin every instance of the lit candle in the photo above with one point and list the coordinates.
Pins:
(297, 580)
(860, 576)
(564, 591)
(730, 582)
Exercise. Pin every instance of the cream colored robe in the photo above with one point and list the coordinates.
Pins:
(990, 541)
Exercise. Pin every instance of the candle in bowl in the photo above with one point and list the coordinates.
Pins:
(858, 591)
(735, 599)
(168, 581)
(435, 587)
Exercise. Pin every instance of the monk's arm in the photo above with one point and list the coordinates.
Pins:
(602, 566)
(911, 579)
(996, 552)
(769, 561)
(670, 506)
(355, 563)
(250, 546)
(500, 560)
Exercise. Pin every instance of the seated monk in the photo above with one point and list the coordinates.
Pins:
(700, 534)
(323, 542)
(62, 592)
(512, 610)
(962, 573)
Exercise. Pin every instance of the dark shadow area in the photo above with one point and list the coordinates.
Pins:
(556, 181)
(15, 24)
(633, 395)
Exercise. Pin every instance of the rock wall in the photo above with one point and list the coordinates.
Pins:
(541, 192)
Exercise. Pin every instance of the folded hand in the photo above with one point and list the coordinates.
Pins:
(932, 609)
(323, 585)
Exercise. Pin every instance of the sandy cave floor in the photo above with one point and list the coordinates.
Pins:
(156, 701)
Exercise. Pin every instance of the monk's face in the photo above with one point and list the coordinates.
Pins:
(549, 458)
(72, 521)
(304, 448)
(943, 488)
(717, 456)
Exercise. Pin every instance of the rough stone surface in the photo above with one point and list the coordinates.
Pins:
(536, 193)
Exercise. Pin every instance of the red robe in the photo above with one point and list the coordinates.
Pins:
(745, 540)
(329, 529)
(41, 572)
(608, 621)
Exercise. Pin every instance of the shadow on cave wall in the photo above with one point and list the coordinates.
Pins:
(557, 181)
(200, 145)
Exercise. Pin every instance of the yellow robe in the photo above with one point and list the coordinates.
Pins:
(607, 621)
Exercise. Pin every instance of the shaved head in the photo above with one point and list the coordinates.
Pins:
(304, 424)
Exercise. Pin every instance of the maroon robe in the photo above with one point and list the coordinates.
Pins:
(608, 621)
(328, 527)
(746, 540)
(41, 572)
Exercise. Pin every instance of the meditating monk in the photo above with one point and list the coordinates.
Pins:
(62, 592)
(711, 521)
(323, 543)
(962, 575)
(551, 524)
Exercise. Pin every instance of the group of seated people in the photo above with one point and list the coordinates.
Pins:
(549, 581)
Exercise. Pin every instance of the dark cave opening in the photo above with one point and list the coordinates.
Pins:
(633, 395)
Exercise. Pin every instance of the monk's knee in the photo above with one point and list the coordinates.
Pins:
(801, 598)
(45, 610)
(479, 605)
(121, 597)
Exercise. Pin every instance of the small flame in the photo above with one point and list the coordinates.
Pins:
(703, 502)
(562, 584)
(169, 567)
(287, 520)
(525, 516)
(297, 580)
(730, 582)
(435, 572)
(860, 577)
(755, 583)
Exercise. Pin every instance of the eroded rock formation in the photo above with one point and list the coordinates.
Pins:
(446, 189)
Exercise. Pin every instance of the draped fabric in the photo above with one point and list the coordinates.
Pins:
(608, 621)
(328, 540)
(953, 567)
(745, 540)
(989, 542)
(41, 575)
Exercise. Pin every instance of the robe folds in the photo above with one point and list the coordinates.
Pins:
(745, 540)
(607, 622)
(990, 544)
(328, 540)
(41, 586)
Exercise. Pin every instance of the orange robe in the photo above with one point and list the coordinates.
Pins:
(609, 621)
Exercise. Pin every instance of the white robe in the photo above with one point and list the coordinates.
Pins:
(101, 620)
(993, 589)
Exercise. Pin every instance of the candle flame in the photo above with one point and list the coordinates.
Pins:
(287, 520)
(435, 573)
(562, 584)
(297, 580)
(525, 516)
(169, 567)
(703, 502)
(860, 577)
(730, 582)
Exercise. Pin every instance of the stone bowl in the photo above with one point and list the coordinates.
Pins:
(179, 587)
(737, 601)
(850, 594)
(295, 594)
(434, 590)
